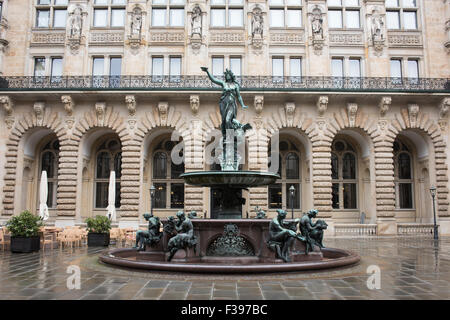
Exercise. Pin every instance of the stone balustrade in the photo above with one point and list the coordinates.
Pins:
(355, 229)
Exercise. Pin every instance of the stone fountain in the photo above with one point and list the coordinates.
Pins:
(227, 243)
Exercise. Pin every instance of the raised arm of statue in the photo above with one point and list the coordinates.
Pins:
(210, 76)
(240, 97)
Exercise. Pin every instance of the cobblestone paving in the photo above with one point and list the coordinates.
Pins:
(411, 268)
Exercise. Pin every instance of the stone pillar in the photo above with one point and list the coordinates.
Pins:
(67, 175)
(384, 183)
(193, 155)
(257, 161)
(131, 176)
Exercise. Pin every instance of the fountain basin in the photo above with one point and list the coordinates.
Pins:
(251, 254)
(231, 179)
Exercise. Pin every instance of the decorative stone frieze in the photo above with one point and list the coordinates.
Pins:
(130, 101)
(322, 105)
(106, 38)
(413, 111)
(400, 39)
(195, 103)
(346, 39)
(287, 37)
(164, 37)
(352, 109)
(226, 37)
(384, 105)
(39, 109)
(46, 38)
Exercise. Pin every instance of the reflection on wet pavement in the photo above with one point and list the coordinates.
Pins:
(411, 268)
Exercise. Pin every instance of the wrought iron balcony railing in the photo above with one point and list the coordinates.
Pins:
(248, 83)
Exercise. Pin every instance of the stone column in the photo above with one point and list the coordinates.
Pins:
(193, 155)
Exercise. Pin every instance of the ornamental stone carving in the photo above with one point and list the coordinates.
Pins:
(7, 105)
(289, 107)
(384, 105)
(352, 109)
(39, 38)
(39, 109)
(227, 37)
(317, 38)
(195, 103)
(196, 22)
(106, 38)
(259, 104)
(130, 101)
(75, 25)
(376, 25)
(444, 107)
(162, 108)
(413, 111)
(404, 39)
(100, 108)
(257, 28)
(287, 38)
(322, 105)
(317, 24)
(346, 39)
(135, 35)
(68, 104)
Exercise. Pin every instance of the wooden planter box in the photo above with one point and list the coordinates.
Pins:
(25, 244)
(98, 239)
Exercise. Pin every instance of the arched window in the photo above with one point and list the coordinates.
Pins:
(169, 192)
(403, 176)
(289, 171)
(108, 158)
(343, 176)
(49, 163)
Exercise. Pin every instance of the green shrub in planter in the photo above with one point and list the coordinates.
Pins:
(24, 230)
(98, 231)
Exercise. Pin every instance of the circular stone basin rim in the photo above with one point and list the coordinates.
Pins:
(345, 258)
(239, 179)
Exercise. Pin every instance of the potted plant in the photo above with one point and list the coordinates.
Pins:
(24, 230)
(98, 231)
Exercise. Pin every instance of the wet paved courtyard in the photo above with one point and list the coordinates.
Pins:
(411, 268)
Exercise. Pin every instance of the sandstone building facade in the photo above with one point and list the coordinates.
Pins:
(356, 92)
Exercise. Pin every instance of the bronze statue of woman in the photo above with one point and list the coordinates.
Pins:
(227, 102)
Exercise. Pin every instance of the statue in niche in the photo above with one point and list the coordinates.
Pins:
(136, 22)
(76, 23)
(377, 26)
(282, 235)
(151, 236)
(316, 23)
(257, 23)
(312, 232)
(185, 235)
(196, 22)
